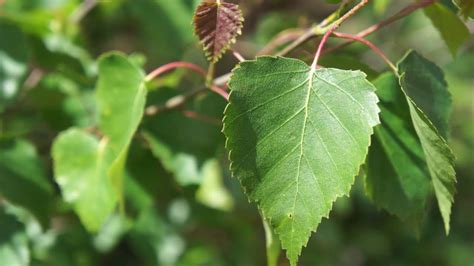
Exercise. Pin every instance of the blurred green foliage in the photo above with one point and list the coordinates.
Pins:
(182, 207)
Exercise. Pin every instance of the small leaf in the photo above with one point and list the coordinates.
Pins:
(217, 24)
(397, 177)
(297, 138)
(429, 102)
(453, 31)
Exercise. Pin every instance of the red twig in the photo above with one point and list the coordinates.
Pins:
(282, 38)
(174, 65)
(219, 91)
(335, 25)
(401, 14)
(200, 117)
(372, 46)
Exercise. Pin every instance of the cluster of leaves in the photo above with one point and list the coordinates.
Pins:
(297, 136)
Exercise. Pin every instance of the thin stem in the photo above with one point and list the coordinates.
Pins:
(272, 244)
(82, 10)
(238, 56)
(171, 66)
(401, 14)
(308, 35)
(219, 91)
(168, 67)
(175, 102)
(281, 39)
(316, 30)
(210, 74)
(334, 26)
(372, 46)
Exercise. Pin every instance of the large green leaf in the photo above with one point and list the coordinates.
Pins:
(429, 103)
(80, 167)
(397, 178)
(453, 31)
(13, 61)
(23, 179)
(297, 138)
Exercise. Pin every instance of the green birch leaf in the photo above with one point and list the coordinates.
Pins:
(121, 96)
(90, 171)
(23, 179)
(429, 103)
(453, 31)
(297, 138)
(397, 177)
(80, 167)
(424, 83)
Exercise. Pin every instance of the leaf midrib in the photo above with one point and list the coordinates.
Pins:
(310, 79)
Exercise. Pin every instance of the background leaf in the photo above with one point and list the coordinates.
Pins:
(453, 31)
(22, 173)
(397, 177)
(121, 96)
(429, 102)
(13, 61)
(81, 170)
(287, 130)
(95, 175)
(13, 241)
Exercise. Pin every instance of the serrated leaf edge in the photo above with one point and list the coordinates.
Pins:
(269, 219)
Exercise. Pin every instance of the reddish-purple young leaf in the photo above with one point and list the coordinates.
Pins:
(217, 24)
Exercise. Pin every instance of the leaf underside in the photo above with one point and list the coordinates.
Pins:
(297, 138)
(217, 25)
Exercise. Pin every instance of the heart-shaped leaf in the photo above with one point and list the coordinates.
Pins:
(297, 137)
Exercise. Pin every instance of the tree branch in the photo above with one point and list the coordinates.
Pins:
(377, 50)
(401, 14)
(334, 26)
